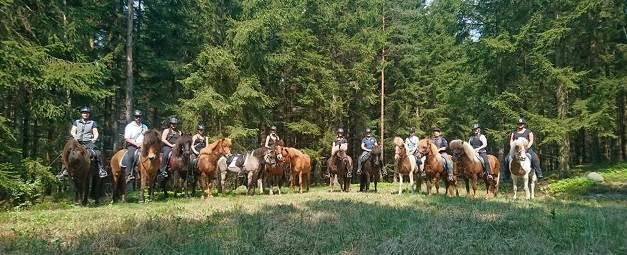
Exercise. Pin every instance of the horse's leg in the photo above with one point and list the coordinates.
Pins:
(467, 182)
(400, 183)
(533, 186)
(300, 182)
(526, 186)
(249, 184)
(260, 184)
(223, 180)
(331, 178)
(474, 185)
(280, 180)
(411, 183)
(514, 185)
(437, 184)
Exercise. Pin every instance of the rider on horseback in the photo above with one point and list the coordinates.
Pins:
(199, 141)
(442, 144)
(522, 131)
(479, 142)
(134, 137)
(367, 144)
(272, 138)
(340, 144)
(168, 138)
(85, 131)
(412, 148)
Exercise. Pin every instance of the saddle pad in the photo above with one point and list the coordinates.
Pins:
(124, 156)
(237, 160)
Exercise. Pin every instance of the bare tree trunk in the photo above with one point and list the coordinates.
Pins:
(382, 131)
(564, 145)
(622, 133)
(129, 62)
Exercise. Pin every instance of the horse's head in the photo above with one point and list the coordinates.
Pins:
(223, 146)
(375, 154)
(400, 150)
(282, 153)
(183, 146)
(457, 149)
(151, 145)
(270, 157)
(518, 150)
(426, 148)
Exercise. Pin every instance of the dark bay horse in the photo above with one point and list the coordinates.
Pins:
(338, 166)
(371, 170)
(468, 164)
(274, 171)
(149, 162)
(180, 166)
(300, 165)
(207, 163)
(76, 160)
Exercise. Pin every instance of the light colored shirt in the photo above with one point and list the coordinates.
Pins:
(412, 144)
(135, 132)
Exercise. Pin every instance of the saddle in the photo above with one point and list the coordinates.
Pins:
(126, 159)
(236, 160)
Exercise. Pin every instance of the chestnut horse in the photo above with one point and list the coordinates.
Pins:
(338, 170)
(300, 164)
(520, 167)
(405, 164)
(76, 160)
(147, 167)
(182, 174)
(371, 169)
(468, 163)
(434, 164)
(274, 171)
(207, 163)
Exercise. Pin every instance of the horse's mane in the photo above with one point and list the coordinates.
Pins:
(226, 142)
(295, 152)
(260, 152)
(376, 150)
(71, 145)
(469, 151)
(151, 138)
(520, 142)
(398, 141)
(178, 145)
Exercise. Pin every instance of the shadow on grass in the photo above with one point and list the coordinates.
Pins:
(323, 226)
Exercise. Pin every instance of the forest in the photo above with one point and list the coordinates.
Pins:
(310, 67)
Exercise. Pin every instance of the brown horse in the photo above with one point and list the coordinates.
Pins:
(405, 164)
(338, 167)
(300, 164)
(434, 164)
(76, 160)
(274, 171)
(470, 166)
(182, 174)
(207, 163)
(148, 164)
(371, 170)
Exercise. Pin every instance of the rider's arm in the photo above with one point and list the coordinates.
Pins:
(363, 147)
(484, 143)
(267, 142)
(444, 145)
(128, 138)
(73, 132)
(530, 140)
(194, 144)
(96, 134)
(164, 136)
(511, 139)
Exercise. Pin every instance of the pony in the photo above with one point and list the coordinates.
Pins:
(434, 164)
(299, 162)
(520, 167)
(338, 170)
(468, 164)
(252, 168)
(405, 164)
(76, 160)
(371, 169)
(180, 166)
(207, 163)
(274, 171)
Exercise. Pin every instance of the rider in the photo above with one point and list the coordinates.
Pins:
(412, 148)
(168, 138)
(441, 143)
(522, 131)
(272, 138)
(479, 142)
(85, 131)
(340, 144)
(367, 144)
(199, 141)
(134, 137)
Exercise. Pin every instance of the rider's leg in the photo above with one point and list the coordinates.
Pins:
(448, 165)
(360, 160)
(130, 161)
(486, 165)
(164, 164)
(535, 163)
(99, 161)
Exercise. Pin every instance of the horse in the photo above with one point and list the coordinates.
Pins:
(300, 164)
(520, 167)
(371, 169)
(76, 160)
(338, 170)
(207, 163)
(180, 166)
(405, 164)
(274, 171)
(468, 163)
(434, 164)
(251, 166)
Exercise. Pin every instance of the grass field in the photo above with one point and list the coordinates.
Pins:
(320, 222)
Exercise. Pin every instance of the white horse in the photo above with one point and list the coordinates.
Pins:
(520, 167)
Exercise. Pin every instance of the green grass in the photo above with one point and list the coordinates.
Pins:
(614, 185)
(320, 222)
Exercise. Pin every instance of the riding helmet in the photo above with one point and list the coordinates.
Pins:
(435, 129)
(475, 126)
(85, 109)
(273, 128)
(412, 130)
(201, 127)
(340, 131)
(174, 120)
(522, 121)
(368, 130)
(137, 113)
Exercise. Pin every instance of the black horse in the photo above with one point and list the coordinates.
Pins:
(180, 166)
(371, 170)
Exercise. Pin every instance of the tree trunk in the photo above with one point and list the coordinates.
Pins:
(129, 62)
(564, 145)
(621, 118)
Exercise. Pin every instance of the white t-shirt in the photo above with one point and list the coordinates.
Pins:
(135, 132)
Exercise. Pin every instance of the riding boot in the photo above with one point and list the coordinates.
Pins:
(63, 174)
(101, 171)
(449, 169)
(536, 167)
(486, 171)
(131, 174)
(359, 166)
(162, 172)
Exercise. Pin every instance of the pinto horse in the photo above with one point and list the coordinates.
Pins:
(274, 171)
(468, 163)
(76, 160)
(520, 167)
(371, 169)
(434, 164)
(299, 162)
(207, 162)
(405, 164)
(253, 164)
(180, 161)
(338, 166)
